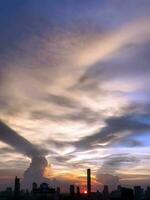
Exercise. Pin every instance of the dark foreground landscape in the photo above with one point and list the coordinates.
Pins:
(45, 192)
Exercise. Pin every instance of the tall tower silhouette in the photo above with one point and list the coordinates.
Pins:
(17, 187)
(88, 181)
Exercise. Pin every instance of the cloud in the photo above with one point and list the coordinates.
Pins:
(131, 142)
(74, 78)
(38, 161)
(35, 172)
(84, 115)
(9, 136)
(61, 101)
(114, 162)
(108, 179)
(114, 129)
(108, 173)
(6, 150)
(12, 138)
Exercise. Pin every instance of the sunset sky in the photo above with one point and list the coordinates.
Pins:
(75, 90)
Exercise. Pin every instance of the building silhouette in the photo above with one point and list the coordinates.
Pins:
(58, 190)
(88, 181)
(105, 192)
(147, 193)
(72, 190)
(127, 194)
(78, 191)
(45, 192)
(138, 193)
(17, 187)
(34, 187)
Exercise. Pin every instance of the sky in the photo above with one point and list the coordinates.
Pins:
(74, 91)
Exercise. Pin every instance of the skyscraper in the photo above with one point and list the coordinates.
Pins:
(72, 190)
(105, 192)
(88, 181)
(34, 187)
(58, 190)
(78, 190)
(138, 193)
(17, 187)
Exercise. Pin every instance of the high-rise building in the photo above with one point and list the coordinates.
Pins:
(127, 194)
(58, 190)
(105, 192)
(9, 191)
(72, 191)
(88, 181)
(78, 190)
(44, 188)
(34, 187)
(138, 193)
(17, 186)
(147, 193)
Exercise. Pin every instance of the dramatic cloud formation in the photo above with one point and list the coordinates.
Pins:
(74, 90)
(10, 137)
(35, 172)
(38, 164)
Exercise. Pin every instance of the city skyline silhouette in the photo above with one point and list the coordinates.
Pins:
(45, 191)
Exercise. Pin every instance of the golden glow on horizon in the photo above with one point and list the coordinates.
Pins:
(76, 176)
